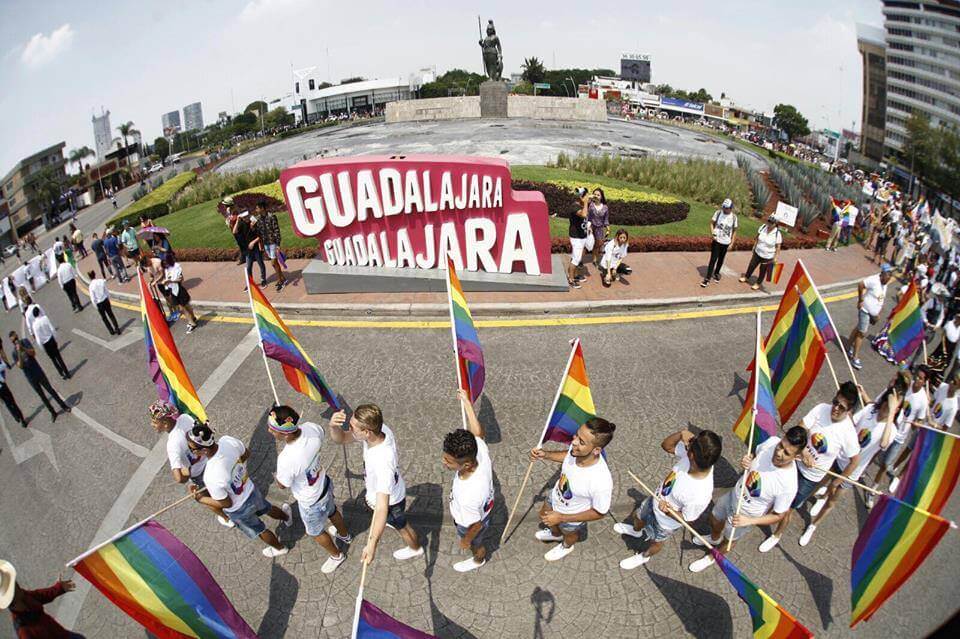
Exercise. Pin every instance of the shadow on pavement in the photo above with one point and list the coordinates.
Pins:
(821, 587)
(740, 383)
(539, 497)
(544, 605)
(487, 416)
(284, 589)
(703, 613)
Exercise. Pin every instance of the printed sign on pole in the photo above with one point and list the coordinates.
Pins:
(786, 214)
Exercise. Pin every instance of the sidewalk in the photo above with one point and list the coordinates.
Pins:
(659, 280)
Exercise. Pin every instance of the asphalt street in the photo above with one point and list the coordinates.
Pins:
(91, 473)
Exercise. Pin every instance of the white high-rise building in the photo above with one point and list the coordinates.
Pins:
(102, 134)
(171, 123)
(192, 117)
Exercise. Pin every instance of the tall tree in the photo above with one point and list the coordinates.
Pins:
(47, 185)
(790, 121)
(533, 70)
(161, 146)
(127, 129)
(79, 155)
(920, 150)
(257, 107)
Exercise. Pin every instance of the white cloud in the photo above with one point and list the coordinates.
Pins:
(42, 49)
(256, 10)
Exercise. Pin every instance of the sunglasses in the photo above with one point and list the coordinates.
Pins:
(839, 404)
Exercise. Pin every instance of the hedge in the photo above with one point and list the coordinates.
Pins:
(673, 243)
(156, 203)
(638, 212)
(231, 255)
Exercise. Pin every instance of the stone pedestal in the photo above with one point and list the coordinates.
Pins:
(493, 99)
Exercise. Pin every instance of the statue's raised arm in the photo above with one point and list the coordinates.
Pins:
(492, 53)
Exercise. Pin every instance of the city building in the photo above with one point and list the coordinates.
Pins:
(922, 67)
(5, 220)
(26, 208)
(171, 124)
(315, 103)
(102, 133)
(192, 117)
(873, 49)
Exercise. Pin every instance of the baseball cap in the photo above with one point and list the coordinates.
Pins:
(727, 204)
(227, 201)
(886, 268)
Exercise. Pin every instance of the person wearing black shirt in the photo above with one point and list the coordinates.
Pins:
(579, 238)
(25, 357)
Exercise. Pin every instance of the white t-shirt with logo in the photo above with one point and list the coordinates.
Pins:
(873, 295)
(179, 454)
(769, 487)
(471, 499)
(381, 466)
(914, 410)
(687, 495)
(827, 439)
(869, 436)
(581, 488)
(768, 238)
(298, 465)
(724, 225)
(225, 475)
(944, 408)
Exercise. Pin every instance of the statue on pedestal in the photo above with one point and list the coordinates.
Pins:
(492, 53)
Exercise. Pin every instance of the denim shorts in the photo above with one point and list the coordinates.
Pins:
(247, 517)
(270, 250)
(569, 527)
(805, 488)
(863, 321)
(397, 515)
(723, 510)
(892, 454)
(655, 532)
(478, 540)
(316, 515)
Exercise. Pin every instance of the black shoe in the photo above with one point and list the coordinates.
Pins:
(23, 422)
(263, 283)
(716, 278)
(280, 285)
(704, 282)
(66, 408)
(53, 417)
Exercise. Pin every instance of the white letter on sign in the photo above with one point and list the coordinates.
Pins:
(367, 196)
(518, 228)
(391, 191)
(481, 235)
(449, 246)
(333, 208)
(306, 224)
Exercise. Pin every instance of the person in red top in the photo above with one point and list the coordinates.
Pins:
(30, 621)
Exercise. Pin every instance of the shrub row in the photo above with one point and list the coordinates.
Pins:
(198, 254)
(561, 200)
(156, 203)
(217, 185)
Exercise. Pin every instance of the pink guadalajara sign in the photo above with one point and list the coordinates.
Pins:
(408, 211)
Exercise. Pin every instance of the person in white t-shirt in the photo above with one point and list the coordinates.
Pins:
(871, 294)
(945, 401)
(830, 432)
(766, 251)
(611, 264)
(230, 490)
(723, 229)
(876, 426)
(386, 491)
(683, 495)
(100, 297)
(762, 496)
(67, 278)
(185, 465)
(584, 490)
(300, 470)
(471, 495)
(913, 411)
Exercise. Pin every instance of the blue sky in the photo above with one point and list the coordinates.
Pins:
(61, 60)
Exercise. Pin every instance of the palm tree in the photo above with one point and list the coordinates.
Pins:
(126, 129)
(47, 186)
(79, 155)
(533, 70)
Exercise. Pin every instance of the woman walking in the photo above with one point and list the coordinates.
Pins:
(598, 215)
(723, 229)
(766, 251)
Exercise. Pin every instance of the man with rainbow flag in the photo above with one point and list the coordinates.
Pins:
(871, 293)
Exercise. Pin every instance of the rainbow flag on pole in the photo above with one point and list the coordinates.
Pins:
(798, 362)
(891, 546)
(153, 577)
(770, 621)
(374, 623)
(280, 344)
(173, 383)
(573, 405)
(759, 404)
(471, 372)
(905, 325)
(932, 472)
(800, 281)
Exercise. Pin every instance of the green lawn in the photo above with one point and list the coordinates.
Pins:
(202, 226)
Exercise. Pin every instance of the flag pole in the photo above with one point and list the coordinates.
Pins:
(556, 398)
(250, 285)
(753, 425)
(456, 351)
(125, 531)
(843, 350)
(833, 373)
(656, 497)
(356, 612)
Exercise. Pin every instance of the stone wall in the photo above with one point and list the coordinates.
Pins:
(455, 108)
(518, 106)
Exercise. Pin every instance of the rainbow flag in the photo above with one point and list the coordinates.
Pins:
(932, 472)
(760, 396)
(905, 325)
(774, 273)
(466, 340)
(770, 621)
(374, 623)
(798, 362)
(800, 281)
(173, 383)
(891, 546)
(574, 403)
(280, 344)
(150, 575)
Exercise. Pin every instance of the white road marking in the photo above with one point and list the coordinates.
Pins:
(128, 338)
(68, 608)
(136, 449)
(38, 443)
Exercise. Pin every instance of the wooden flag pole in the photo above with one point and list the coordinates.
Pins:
(356, 612)
(843, 350)
(753, 424)
(656, 497)
(546, 425)
(125, 531)
(456, 351)
(276, 399)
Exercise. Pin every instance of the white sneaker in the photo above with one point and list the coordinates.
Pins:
(623, 528)
(223, 521)
(702, 564)
(270, 551)
(870, 500)
(332, 563)
(817, 507)
(467, 565)
(769, 543)
(332, 531)
(715, 542)
(545, 534)
(407, 553)
(285, 507)
(558, 552)
(634, 561)
(807, 535)
(894, 483)
(820, 491)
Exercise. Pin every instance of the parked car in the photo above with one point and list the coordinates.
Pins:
(156, 167)
(10, 250)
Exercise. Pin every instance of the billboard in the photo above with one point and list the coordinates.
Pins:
(683, 105)
(635, 67)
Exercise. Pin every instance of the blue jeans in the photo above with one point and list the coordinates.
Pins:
(119, 268)
(247, 517)
(256, 255)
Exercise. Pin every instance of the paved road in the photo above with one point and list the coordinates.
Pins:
(95, 471)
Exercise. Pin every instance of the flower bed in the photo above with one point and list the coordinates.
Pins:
(627, 207)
